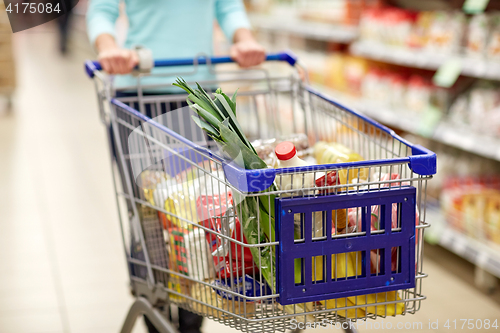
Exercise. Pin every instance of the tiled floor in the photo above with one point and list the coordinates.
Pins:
(61, 263)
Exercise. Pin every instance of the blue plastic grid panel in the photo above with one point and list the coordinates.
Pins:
(308, 252)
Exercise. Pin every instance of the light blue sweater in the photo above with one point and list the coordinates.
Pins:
(170, 28)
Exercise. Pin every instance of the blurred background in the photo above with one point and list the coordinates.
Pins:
(428, 69)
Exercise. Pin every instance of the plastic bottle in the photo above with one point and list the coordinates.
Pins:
(333, 152)
(287, 158)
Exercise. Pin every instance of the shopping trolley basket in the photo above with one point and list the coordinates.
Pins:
(344, 249)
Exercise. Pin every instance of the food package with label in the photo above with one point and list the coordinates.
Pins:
(217, 213)
(493, 46)
(477, 37)
(243, 285)
(334, 152)
(345, 265)
(179, 200)
(472, 206)
(189, 253)
(178, 260)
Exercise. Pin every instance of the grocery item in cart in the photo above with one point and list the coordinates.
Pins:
(216, 213)
(334, 152)
(245, 285)
(347, 265)
(200, 264)
(179, 200)
(287, 158)
(265, 148)
(178, 253)
(355, 216)
(205, 294)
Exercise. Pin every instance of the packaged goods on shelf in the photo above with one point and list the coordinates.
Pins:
(400, 90)
(437, 31)
(390, 26)
(472, 206)
(345, 73)
(493, 46)
(477, 37)
(434, 31)
(346, 12)
(478, 108)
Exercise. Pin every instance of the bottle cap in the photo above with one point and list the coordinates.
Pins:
(285, 151)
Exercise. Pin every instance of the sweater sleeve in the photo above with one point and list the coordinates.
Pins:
(101, 18)
(231, 16)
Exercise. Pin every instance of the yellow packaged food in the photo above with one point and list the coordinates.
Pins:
(334, 152)
(182, 203)
(344, 265)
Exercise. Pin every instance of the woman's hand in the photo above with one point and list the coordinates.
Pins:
(245, 50)
(115, 60)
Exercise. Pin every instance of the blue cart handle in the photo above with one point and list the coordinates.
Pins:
(289, 57)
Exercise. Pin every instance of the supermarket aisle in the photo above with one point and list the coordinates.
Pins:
(62, 263)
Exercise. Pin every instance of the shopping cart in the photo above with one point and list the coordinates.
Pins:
(345, 249)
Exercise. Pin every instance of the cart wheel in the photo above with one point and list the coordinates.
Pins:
(142, 306)
(350, 330)
(485, 280)
(10, 104)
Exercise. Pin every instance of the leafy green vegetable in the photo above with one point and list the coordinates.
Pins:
(256, 214)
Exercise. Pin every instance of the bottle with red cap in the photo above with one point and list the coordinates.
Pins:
(287, 158)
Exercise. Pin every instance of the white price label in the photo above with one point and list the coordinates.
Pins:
(467, 142)
(482, 259)
(460, 244)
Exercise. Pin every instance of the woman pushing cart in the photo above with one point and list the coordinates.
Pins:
(169, 29)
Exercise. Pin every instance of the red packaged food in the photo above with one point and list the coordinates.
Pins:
(330, 179)
(229, 258)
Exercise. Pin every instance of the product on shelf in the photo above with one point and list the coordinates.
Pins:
(472, 206)
(442, 32)
(493, 47)
(388, 25)
(477, 37)
(446, 32)
(418, 94)
(478, 108)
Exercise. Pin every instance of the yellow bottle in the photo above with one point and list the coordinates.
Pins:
(333, 152)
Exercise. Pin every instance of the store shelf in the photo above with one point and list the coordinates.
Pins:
(307, 29)
(449, 134)
(479, 253)
(474, 67)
